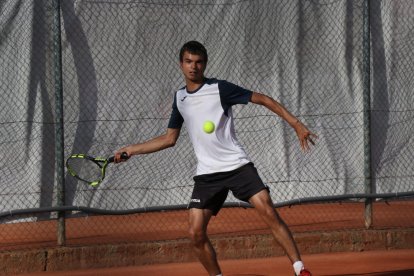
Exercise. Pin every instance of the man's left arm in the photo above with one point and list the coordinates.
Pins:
(302, 131)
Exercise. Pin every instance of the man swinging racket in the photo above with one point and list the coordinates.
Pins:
(205, 106)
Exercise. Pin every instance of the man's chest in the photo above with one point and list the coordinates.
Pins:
(204, 103)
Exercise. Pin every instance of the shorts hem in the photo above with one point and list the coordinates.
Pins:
(255, 192)
(213, 211)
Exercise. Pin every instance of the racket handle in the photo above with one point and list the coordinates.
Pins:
(124, 156)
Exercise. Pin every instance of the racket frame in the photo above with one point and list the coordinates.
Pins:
(102, 163)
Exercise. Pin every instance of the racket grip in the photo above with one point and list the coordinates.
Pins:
(124, 156)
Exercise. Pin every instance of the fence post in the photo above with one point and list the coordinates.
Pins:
(367, 109)
(59, 130)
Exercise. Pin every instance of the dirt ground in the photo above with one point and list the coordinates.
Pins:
(390, 263)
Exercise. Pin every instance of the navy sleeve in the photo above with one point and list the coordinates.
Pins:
(231, 94)
(176, 120)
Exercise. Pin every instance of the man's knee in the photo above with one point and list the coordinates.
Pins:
(270, 215)
(198, 237)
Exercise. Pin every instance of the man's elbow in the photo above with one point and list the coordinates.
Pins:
(170, 143)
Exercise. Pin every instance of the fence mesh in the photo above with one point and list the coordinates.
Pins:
(120, 71)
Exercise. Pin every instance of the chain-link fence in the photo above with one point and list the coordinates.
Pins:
(343, 67)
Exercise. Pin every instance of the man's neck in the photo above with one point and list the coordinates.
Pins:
(194, 85)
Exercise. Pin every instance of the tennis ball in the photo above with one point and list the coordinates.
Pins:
(208, 127)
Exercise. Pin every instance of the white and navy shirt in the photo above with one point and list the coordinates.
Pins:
(219, 151)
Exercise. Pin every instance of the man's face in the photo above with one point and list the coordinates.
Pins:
(193, 67)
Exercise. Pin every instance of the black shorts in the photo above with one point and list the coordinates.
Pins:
(210, 190)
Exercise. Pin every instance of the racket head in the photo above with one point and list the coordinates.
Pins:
(90, 170)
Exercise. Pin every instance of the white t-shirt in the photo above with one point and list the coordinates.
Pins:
(219, 151)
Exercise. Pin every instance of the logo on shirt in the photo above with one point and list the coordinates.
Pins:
(195, 200)
(183, 98)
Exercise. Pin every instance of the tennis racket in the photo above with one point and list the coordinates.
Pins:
(90, 169)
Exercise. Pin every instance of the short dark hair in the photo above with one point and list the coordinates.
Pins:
(195, 48)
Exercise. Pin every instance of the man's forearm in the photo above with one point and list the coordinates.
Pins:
(275, 107)
(150, 146)
(155, 144)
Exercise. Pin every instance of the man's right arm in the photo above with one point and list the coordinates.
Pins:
(158, 143)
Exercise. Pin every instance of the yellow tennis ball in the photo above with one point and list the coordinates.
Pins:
(208, 127)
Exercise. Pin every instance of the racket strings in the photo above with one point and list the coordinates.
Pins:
(85, 169)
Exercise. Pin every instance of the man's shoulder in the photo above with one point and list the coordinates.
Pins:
(212, 81)
(180, 89)
(207, 81)
(217, 81)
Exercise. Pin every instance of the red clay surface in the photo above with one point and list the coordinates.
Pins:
(171, 225)
(385, 263)
(231, 222)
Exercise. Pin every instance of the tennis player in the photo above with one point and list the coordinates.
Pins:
(223, 164)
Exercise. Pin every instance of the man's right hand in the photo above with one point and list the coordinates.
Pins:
(122, 155)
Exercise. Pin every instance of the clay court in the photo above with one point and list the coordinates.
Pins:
(131, 245)
(379, 263)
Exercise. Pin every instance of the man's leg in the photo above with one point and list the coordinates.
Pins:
(264, 206)
(199, 219)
